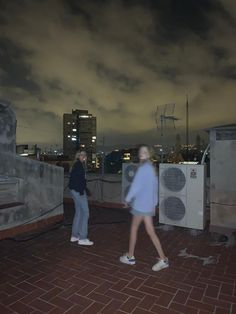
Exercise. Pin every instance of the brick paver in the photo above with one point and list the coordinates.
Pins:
(48, 274)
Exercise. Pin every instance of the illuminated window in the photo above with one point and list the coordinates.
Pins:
(94, 137)
(68, 122)
(126, 156)
(74, 130)
(73, 139)
(68, 135)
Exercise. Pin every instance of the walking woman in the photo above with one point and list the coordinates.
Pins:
(143, 198)
(78, 188)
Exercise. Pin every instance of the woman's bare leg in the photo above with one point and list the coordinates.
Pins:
(148, 221)
(136, 221)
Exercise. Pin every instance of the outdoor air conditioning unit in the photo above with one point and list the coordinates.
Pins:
(181, 195)
(128, 173)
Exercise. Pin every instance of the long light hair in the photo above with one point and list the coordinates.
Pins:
(150, 151)
(77, 155)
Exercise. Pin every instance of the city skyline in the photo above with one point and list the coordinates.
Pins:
(118, 60)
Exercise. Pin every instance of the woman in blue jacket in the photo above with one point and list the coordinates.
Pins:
(78, 189)
(143, 198)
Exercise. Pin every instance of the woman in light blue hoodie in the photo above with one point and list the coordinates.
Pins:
(143, 199)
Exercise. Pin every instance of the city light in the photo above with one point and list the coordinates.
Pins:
(126, 156)
(84, 116)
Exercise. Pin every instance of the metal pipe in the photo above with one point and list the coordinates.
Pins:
(204, 155)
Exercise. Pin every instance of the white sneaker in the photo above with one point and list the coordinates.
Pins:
(161, 264)
(125, 259)
(85, 242)
(74, 239)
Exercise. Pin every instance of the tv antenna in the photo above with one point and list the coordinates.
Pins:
(164, 114)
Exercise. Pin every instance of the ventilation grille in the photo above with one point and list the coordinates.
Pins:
(173, 208)
(130, 172)
(173, 179)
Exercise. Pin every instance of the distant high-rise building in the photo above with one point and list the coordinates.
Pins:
(80, 132)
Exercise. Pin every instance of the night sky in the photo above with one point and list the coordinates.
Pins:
(119, 60)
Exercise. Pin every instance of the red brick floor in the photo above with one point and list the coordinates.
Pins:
(48, 274)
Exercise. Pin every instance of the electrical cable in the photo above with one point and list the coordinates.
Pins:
(35, 235)
(35, 218)
(56, 226)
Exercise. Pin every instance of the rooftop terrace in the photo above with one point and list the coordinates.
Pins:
(48, 274)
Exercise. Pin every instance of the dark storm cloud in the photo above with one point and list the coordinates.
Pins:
(119, 110)
(37, 112)
(55, 84)
(75, 8)
(45, 125)
(176, 19)
(228, 72)
(119, 59)
(116, 78)
(17, 73)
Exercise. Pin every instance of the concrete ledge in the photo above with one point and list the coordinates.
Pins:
(11, 232)
(8, 205)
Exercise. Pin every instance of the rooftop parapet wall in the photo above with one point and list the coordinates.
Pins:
(40, 189)
(103, 189)
(7, 128)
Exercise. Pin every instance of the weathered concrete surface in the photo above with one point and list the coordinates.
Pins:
(9, 190)
(223, 179)
(7, 128)
(36, 186)
(40, 188)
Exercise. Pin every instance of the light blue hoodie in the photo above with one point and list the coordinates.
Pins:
(144, 189)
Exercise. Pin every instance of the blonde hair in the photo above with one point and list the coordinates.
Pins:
(151, 155)
(149, 149)
(77, 155)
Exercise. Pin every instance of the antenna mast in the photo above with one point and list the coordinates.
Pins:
(164, 114)
(187, 129)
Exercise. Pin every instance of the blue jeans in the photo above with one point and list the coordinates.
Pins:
(81, 216)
